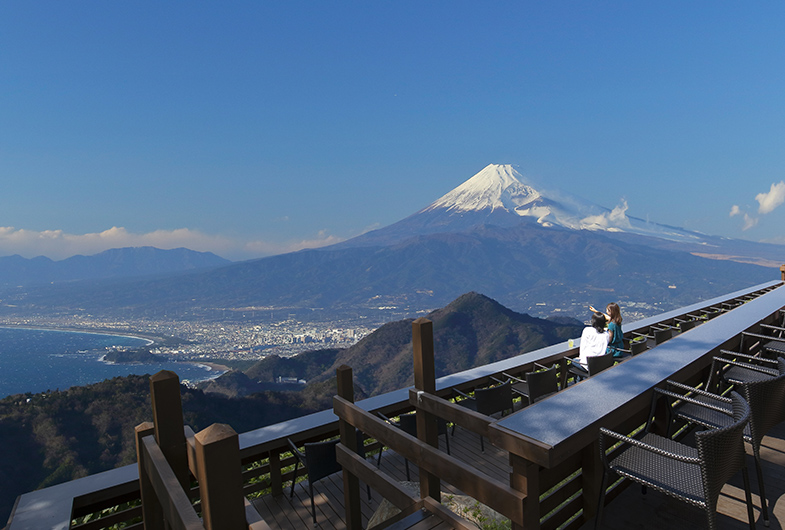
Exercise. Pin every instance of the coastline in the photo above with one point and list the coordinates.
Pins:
(212, 366)
(151, 339)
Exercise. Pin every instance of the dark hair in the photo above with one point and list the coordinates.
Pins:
(614, 312)
(598, 322)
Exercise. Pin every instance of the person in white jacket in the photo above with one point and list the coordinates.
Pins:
(594, 340)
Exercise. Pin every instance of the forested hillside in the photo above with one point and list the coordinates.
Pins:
(59, 436)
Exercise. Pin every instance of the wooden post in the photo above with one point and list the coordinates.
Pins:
(525, 477)
(351, 484)
(168, 419)
(591, 478)
(425, 381)
(152, 514)
(220, 478)
(276, 481)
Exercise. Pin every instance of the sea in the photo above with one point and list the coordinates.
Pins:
(37, 360)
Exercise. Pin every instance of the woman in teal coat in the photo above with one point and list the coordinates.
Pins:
(616, 336)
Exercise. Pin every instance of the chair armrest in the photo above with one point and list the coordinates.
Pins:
(465, 396)
(751, 358)
(497, 380)
(385, 418)
(513, 378)
(699, 403)
(641, 445)
(299, 454)
(739, 364)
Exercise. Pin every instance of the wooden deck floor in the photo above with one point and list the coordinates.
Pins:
(630, 510)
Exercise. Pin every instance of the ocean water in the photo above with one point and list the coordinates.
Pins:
(33, 360)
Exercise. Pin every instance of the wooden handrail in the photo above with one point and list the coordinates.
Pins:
(480, 486)
(177, 510)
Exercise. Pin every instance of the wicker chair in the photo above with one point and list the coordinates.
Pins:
(320, 461)
(766, 398)
(595, 365)
(732, 368)
(487, 401)
(537, 384)
(692, 474)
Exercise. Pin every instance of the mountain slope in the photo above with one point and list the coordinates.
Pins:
(473, 330)
(520, 266)
(534, 250)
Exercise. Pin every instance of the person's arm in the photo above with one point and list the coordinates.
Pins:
(606, 315)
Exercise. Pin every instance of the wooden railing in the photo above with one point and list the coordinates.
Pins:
(266, 463)
(168, 455)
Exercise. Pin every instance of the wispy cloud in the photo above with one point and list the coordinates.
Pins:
(58, 244)
(749, 221)
(767, 203)
(267, 248)
(771, 200)
(616, 218)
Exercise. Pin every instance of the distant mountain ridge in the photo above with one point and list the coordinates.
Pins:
(115, 263)
(534, 250)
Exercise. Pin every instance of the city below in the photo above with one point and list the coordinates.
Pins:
(253, 334)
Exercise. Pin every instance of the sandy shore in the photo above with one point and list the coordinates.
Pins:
(213, 366)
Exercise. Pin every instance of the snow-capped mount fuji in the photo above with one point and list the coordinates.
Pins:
(501, 196)
(533, 249)
(501, 189)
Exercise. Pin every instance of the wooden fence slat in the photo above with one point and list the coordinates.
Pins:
(380, 481)
(442, 408)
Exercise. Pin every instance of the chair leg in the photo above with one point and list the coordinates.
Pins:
(447, 442)
(763, 508)
(294, 480)
(408, 479)
(379, 459)
(601, 503)
(313, 505)
(748, 495)
(482, 445)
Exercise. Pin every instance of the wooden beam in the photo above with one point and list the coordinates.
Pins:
(351, 484)
(168, 419)
(480, 486)
(425, 381)
(441, 408)
(435, 507)
(175, 504)
(152, 512)
(220, 478)
(376, 478)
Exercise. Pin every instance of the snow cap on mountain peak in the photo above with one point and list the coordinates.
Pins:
(496, 186)
(501, 194)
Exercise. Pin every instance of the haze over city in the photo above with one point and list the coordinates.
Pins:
(254, 129)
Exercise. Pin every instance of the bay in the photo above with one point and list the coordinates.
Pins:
(36, 360)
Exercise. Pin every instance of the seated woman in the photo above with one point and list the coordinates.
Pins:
(615, 334)
(594, 340)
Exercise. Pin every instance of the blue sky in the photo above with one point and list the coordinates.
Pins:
(253, 128)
